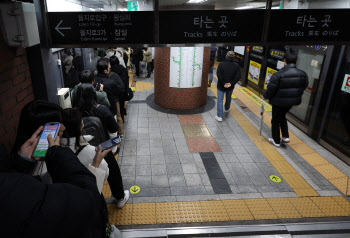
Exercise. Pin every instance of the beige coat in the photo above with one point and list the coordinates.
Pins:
(147, 55)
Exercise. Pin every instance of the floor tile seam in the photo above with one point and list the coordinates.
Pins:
(251, 121)
(314, 151)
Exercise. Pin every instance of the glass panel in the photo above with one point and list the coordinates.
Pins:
(314, 4)
(311, 62)
(98, 5)
(337, 127)
(213, 4)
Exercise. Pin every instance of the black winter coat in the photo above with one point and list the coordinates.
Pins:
(228, 72)
(113, 86)
(70, 207)
(122, 73)
(287, 86)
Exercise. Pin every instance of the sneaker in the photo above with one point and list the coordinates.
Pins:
(121, 136)
(285, 140)
(273, 142)
(209, 84)
(120, 204)
(218, 118)
(226, 111)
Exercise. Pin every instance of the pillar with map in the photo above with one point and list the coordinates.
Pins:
(181, 77)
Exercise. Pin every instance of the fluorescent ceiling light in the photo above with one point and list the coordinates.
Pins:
(245, 7)
(122, 9)
(196, 1)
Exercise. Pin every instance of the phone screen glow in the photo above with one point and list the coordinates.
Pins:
(43, 144)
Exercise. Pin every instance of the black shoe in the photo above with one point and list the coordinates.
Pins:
(148, 76)
(209, 84)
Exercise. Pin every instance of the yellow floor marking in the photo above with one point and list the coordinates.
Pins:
(275, 179)
(261, 209)
(332, 174)
(343, 203)
(106, 190)
(214, 211)
(255, 98)
(135, 189)
(283, 208)
(167, 213)
(120, 216)
(306, 207)
(237, 210)
(329, 206)
(191, 212)
(144, 213)
(277, 160)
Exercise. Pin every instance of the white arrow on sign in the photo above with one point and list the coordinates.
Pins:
(324, 47)
(58, 28)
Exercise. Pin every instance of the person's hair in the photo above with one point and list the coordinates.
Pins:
(76, 62)
(35, 114)
(87, 76)
(102, 65)
(86, 99)
(230, 56)
(72, 120)
(291, 56)
(113, 60)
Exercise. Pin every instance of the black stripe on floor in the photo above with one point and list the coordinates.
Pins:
(216, 176)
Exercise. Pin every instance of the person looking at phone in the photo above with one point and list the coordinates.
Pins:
(87, 76)
(87, 104)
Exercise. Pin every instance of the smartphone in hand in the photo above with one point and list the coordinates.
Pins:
(52, 128)
(110, 143)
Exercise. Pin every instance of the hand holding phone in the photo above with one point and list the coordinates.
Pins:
(110, 143)
(52, 129)
(27, 148)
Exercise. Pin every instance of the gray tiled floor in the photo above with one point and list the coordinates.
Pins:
(154, 155)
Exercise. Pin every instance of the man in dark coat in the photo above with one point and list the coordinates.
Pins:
(113, 86)
(137, 57)
(284, 91)
(229, 73)
(70, 207)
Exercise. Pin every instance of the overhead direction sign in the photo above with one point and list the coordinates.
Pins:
(210, 26)
(88, 28)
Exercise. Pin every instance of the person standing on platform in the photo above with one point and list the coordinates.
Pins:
(147, 52)
(229, 73)
(284, 91)
(137, 56)
(213, 52)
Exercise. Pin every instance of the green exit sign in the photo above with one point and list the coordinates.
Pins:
(133, 6)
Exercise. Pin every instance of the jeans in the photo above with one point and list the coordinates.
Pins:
(279, 121)
(115, 180)
(221, 100)
(211, 72)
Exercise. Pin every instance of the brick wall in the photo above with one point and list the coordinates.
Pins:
(15, 90)
(178, 98)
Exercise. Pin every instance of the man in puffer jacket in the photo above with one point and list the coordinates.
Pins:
(284, 91)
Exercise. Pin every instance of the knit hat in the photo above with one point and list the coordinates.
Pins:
(230, 54)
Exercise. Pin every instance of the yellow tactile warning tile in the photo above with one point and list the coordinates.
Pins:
(142, 86)
(315, 159)
(237, 210)
(214, 211)
(283, 208)
(295, 181)
(283, 167)
(120, 216)
(302, 149)
(343, 203)
(167, 213)
(106, 190)
(341, 184)
(329, 171)
(261, 209)
(305, 192)
(144, 213)
(348, 189)
(273, 155)
(306, 207)
(329, 206)
(191, 212)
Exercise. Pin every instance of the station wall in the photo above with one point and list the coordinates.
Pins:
(15, 90)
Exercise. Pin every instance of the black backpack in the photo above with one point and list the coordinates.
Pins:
(93, 126)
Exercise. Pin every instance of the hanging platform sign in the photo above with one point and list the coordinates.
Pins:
(320, 25)
(89, 28)
(237, 26)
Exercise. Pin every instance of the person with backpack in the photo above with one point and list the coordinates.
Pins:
(87, 104)
(113, 86)
(87, 76)
(285, 90)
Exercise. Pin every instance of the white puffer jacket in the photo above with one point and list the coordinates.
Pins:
(86, 157)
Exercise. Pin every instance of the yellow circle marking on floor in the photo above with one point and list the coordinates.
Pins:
(275, 178)
(135, 189)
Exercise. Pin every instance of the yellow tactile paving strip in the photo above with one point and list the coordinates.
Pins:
(288, 173)
(228, 210)
(330, 172)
